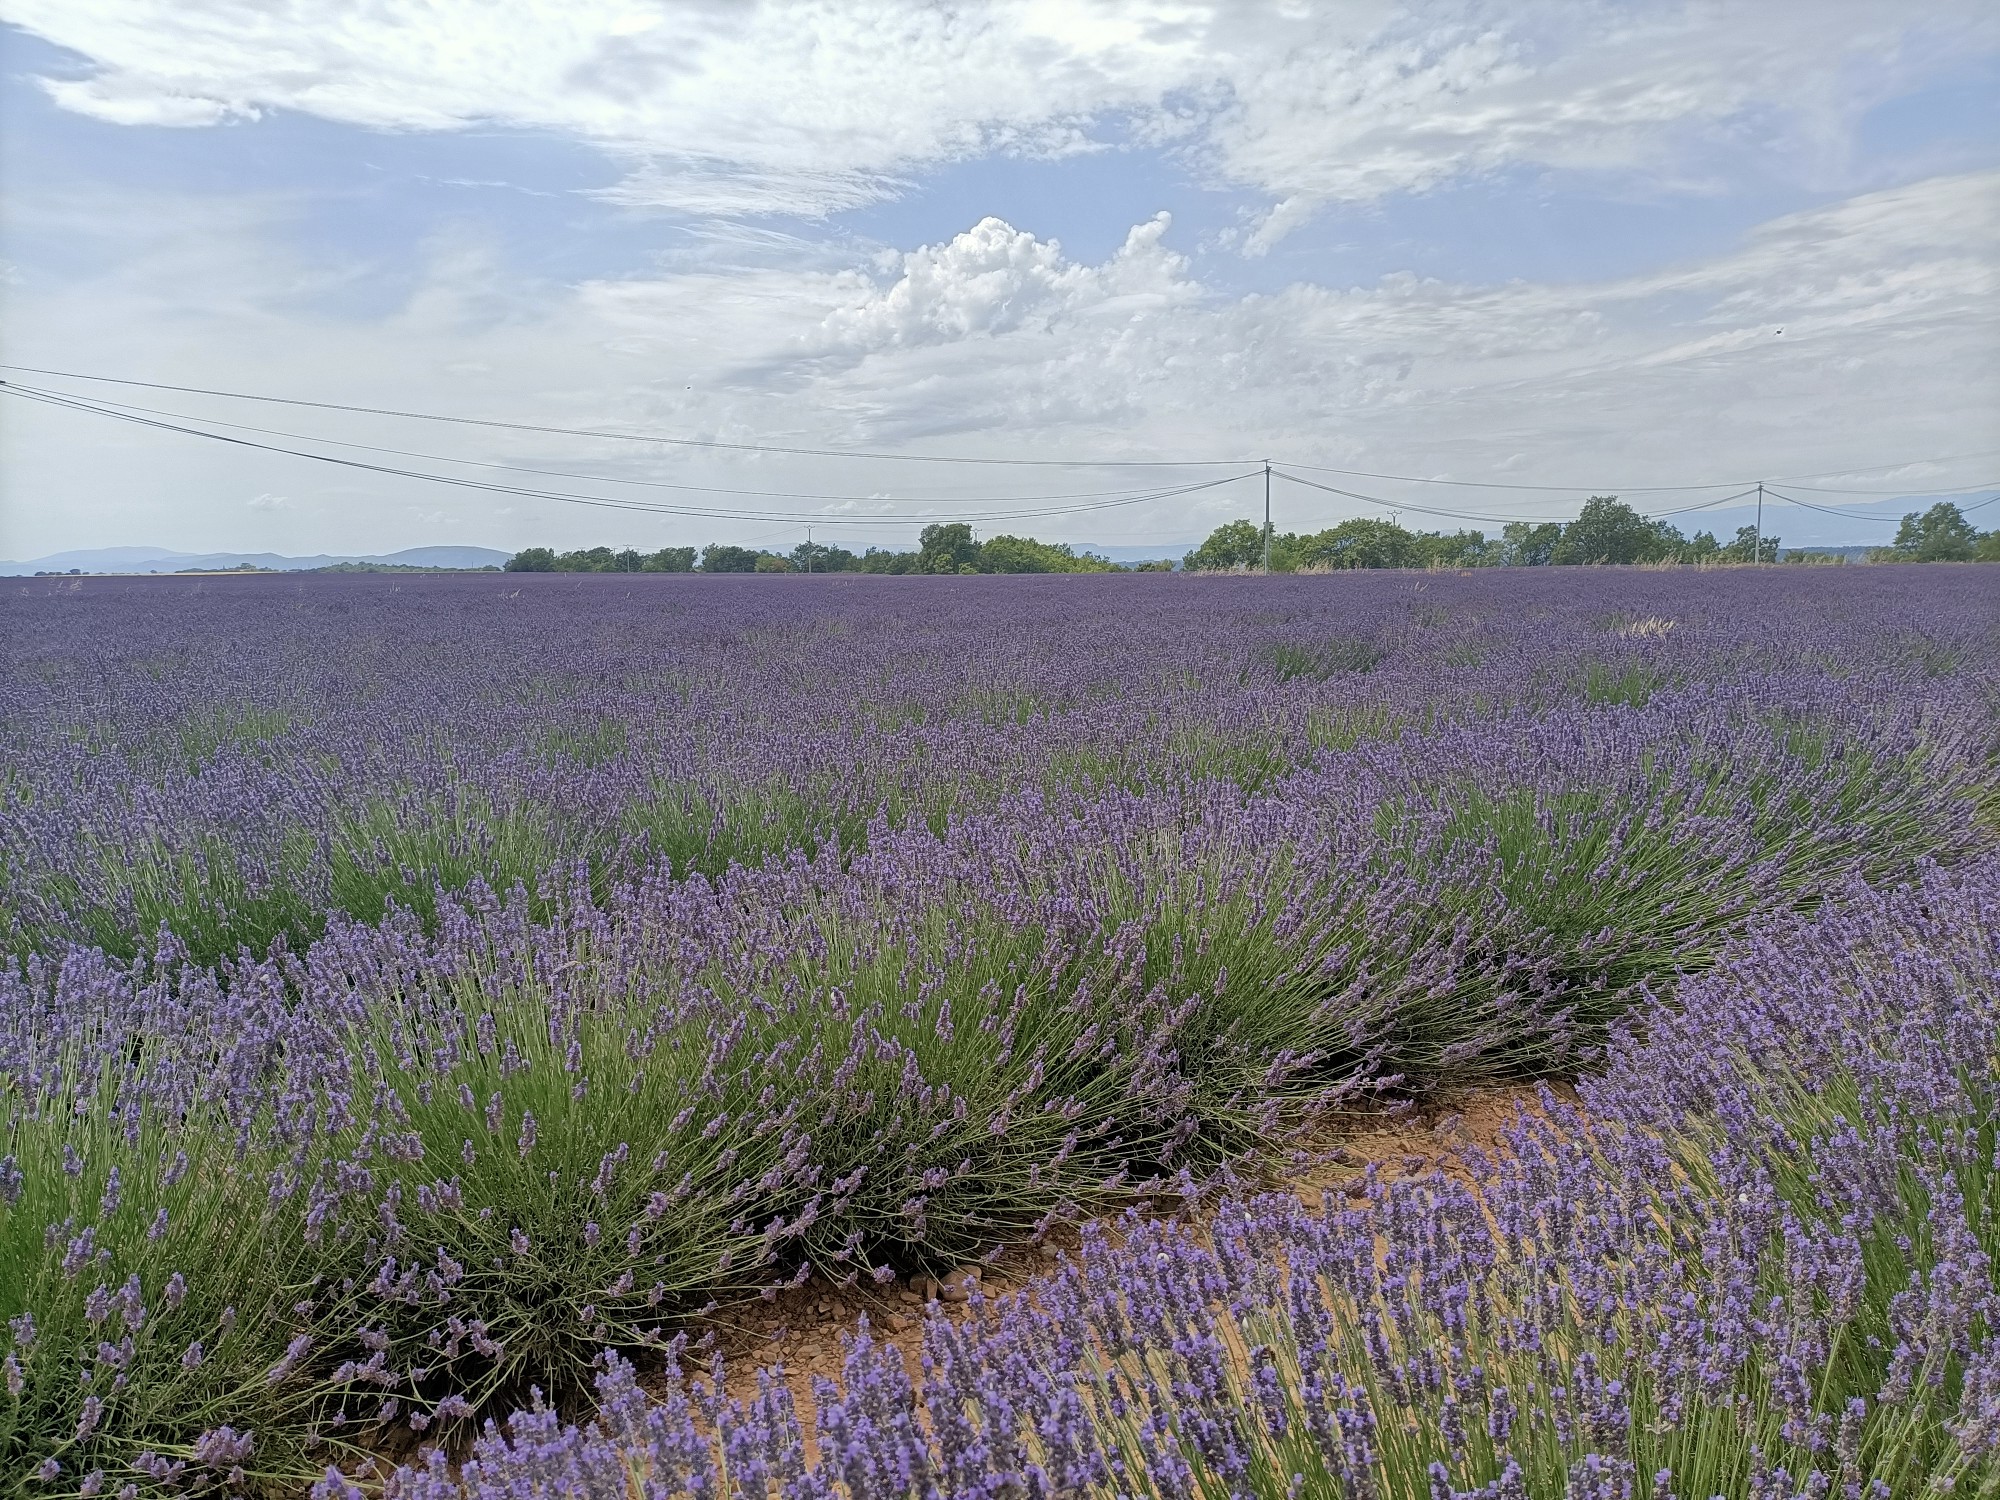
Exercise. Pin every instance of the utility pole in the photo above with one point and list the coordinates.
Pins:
(1758, 555)
(1267, 515)
(809, 549)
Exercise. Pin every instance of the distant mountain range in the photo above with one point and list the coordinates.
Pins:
(163, 560)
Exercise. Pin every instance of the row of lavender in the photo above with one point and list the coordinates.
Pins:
(1760, 1261)
(380, 1182)
(238, 758)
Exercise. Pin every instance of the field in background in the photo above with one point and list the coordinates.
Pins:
(417, 988)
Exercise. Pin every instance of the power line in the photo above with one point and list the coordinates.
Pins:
(1848, 515)
(600, 502)
(104, 407)
(638, 437)
(1460, 515)
(1964, 489)
(1566, 489)
(1112, 463)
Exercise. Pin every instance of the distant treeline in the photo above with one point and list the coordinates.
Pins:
(940, 549)
(1607, 531)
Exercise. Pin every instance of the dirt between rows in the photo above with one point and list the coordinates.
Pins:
(801, 1331)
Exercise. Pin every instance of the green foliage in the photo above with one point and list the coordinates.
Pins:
(1745, 548)
(882, 560)
(670, 560)
(1320, 660)
(1940, 534)
(1630, 683)
(1236, 544)
(215, 1267)
(1359, 543)
(1019, 554)
(817, 557)
(717, 557)
(1610, 531)
(947, 547)
(602, 560)
(1526, 544)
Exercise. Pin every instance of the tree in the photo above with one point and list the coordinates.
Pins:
(670, 560)
(1703, 547)
(817, 557)
(1238, 544)
(1357, 543)
(1530, 544)
(1461, 549)
(946, 548)
(532, 560)
(628, 560)
(1746, 547)
(1988, 549)
(1609, 531)
(1940, 534)
(719, 558)
(770, 562)
(881, 560)
(1023, 554)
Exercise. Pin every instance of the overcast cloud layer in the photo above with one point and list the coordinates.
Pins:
(1617, 245)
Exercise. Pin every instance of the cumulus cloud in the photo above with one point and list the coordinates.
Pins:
(809, 109)
(996, 279)
(999, 342)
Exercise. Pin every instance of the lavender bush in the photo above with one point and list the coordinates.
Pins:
(420, 989)
(1759, 1262)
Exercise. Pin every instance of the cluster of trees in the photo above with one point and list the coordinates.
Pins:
(1941, 534)
(1608, 531)
(948, 548)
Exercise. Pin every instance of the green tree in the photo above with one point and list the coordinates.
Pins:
(1609, 531)
(1530, 544)
(1703, 547)
(1988, 549)
(1940, 534)
(1746, 548)
(717, 557)
(946, 548)
(1459, 549)
(770, 562)
(1237, 544)
(1358, 543)
(818, 557)
(532, 560)
(1023, 554)
(881, 560)
(670, 560)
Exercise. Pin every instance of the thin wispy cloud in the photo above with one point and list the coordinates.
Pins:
(1458, 240)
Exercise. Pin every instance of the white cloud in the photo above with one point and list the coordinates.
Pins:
(997, 342)
(721, 109)
(996, 279)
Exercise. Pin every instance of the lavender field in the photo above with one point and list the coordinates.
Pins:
(434, 1000)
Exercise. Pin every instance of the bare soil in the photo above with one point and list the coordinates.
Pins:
(802, 1331)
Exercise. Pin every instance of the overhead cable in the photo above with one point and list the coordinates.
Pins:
(643, 437)
(601, 502)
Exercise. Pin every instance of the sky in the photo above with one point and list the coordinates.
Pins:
(1596, 246)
